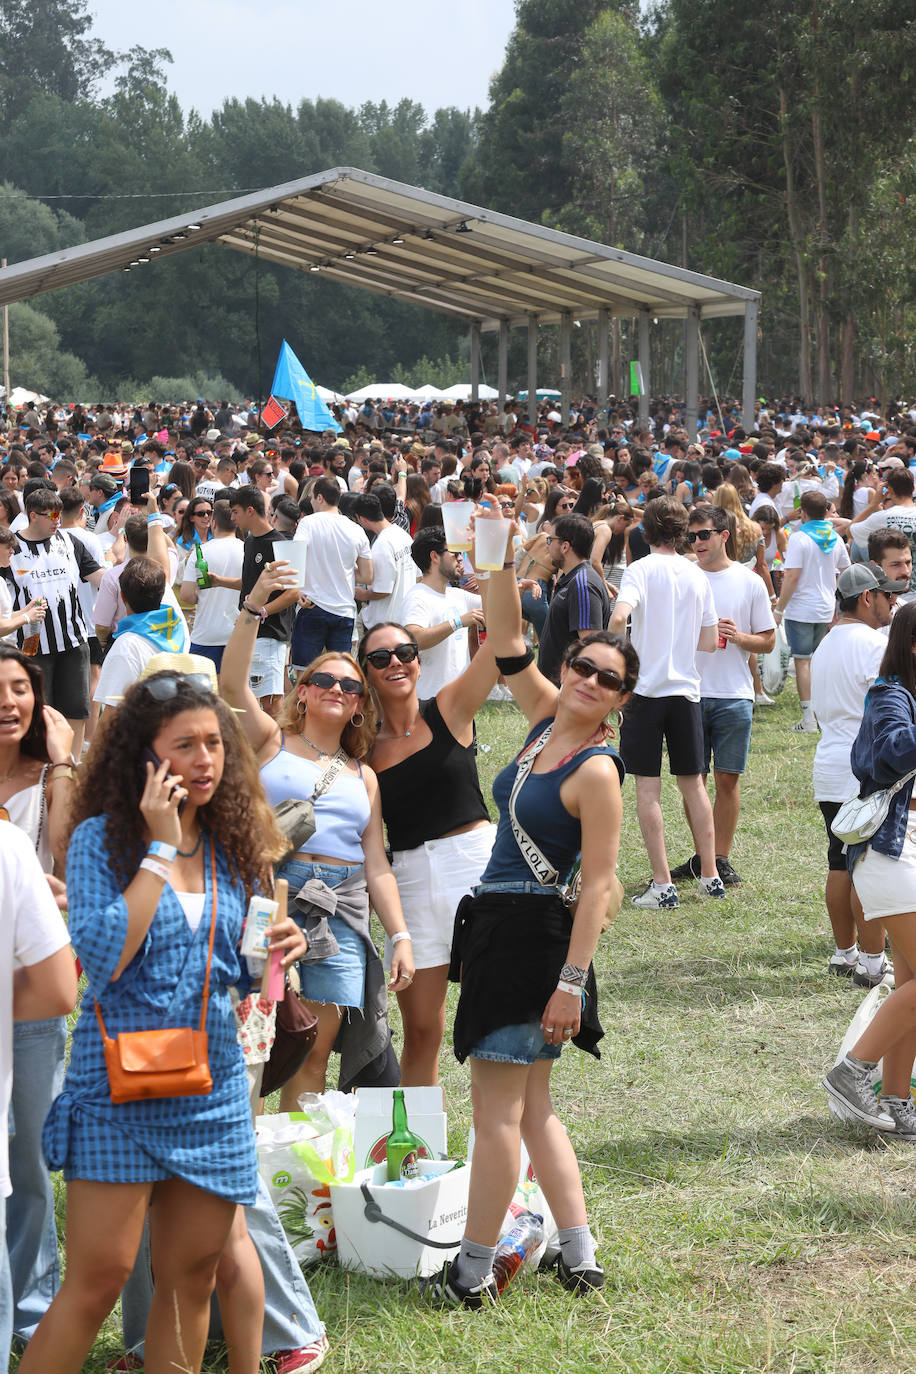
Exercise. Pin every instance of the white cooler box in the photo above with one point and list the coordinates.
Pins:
(434, 1211)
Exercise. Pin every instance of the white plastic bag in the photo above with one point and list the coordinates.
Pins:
(865, 1014)
(774, 666)
(300, 1155)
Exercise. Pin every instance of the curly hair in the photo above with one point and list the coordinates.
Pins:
(356, 740)
(34, 742)
(110, 785)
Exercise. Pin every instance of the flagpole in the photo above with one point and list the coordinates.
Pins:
(6, 347)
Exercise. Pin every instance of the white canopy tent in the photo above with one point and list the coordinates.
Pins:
(381, 391)
(464, 390)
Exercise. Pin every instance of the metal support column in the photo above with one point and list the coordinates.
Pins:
(566, 365)
(603, 386)
(475, 359)
(532, 369)
(750, 363)
(502, 363)
(644, 365)
(692, 382)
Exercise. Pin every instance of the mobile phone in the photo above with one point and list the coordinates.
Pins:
(147, 755)
(139, 485)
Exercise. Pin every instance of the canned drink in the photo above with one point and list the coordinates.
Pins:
(722, 641)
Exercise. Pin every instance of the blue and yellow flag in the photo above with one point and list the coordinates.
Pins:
(293, 383)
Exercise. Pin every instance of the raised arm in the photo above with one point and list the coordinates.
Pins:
(260, 729)
(535, 694)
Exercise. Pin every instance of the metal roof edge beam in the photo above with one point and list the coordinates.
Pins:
(692, 371)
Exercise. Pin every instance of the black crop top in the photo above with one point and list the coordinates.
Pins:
(433, 791)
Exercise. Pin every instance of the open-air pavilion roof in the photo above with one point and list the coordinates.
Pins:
(489, 269)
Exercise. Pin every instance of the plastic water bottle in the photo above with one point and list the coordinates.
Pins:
(517, 1246)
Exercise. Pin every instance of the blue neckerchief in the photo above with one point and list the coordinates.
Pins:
(822, 532)
(110, 503)
(162, 627)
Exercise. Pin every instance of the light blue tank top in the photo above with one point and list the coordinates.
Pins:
(341, 814)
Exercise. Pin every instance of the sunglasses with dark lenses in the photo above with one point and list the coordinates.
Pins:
(404, 653)
(607, 678)
(351, 685)
(165, 688)
(693, 535)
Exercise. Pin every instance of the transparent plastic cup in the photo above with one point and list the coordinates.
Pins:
(293, 551)
(456, 517)
(491, 538)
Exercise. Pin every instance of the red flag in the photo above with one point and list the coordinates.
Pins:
(273, 412)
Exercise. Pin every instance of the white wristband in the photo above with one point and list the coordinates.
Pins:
(157, 868)
(455, 620)
(400, 935)
(571, 988)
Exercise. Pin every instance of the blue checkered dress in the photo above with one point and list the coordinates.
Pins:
(207, 1141)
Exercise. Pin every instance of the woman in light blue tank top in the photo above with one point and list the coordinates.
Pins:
(343, 865)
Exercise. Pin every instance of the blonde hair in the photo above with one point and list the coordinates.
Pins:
(727, 497)
(355, 740)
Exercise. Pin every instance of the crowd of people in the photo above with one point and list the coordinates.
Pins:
(203, 626)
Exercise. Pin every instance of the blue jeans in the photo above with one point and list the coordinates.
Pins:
(726, 732)
(534, 609)
(290, 1319)
(316, 630)
(38, 1070)
(6, 1293)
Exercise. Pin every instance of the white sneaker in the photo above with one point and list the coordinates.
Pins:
(711, 887)
(761, 699)
(806, 726)
(657, 896)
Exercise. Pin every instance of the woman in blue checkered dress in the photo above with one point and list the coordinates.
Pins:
(144, 883)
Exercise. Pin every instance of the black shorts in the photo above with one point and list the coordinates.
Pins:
(66, 678)
(836, 859)
(96, 652)
(647, 721)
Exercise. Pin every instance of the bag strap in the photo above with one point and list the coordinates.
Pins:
(330, 775)
(537, 861)
(206, 996)
(374, 1213)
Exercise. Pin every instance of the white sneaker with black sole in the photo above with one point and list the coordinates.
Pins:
(657, 896)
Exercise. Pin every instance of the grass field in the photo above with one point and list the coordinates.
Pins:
(741, 1227)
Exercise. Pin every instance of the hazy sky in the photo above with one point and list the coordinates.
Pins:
(436, 52)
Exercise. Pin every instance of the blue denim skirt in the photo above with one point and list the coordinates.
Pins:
(521, 1044)
(341, 978)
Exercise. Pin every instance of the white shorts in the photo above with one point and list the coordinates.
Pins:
(432, 879)
(885, 886)
(268, 665)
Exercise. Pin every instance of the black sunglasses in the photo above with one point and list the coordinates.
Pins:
(404, 653)
(693, 535)
(351, 685)
(165, 688)
(606, 676)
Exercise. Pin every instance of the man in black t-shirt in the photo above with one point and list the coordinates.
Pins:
(580, 602)
(268, 663)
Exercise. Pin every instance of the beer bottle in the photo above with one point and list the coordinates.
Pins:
(203, 572)
(402, 1150)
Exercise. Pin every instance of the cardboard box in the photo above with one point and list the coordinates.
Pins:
(425, 1117)
(434, 1210)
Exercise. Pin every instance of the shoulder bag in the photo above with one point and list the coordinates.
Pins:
(296, 815)
(171, 1062)
(859, 817)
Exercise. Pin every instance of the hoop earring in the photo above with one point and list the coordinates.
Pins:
(301, 707)
(354, 721)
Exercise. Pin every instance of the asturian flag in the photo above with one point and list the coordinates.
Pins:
(292, 383)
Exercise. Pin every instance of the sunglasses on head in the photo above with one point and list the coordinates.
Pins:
(404, 653)
(607, 678)
(351, 685)
(693, 535)
(165, 688)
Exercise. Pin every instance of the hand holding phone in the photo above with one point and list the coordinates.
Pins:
(149, 756)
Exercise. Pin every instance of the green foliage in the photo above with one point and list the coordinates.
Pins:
(38, 362)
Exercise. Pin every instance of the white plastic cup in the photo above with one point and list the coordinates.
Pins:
(490, 539)
(292, 551)
(456, 517)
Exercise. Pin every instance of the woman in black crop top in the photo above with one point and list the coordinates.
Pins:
(439, 829)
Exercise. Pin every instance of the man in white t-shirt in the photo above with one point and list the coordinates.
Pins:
(673, 616)
(337, 557)
(815, 556)
(897, 484)
(149, 627)
(746, 626)
(438, 613)
(394, 572)
(37, 980)
(217, 607)
(843, 668)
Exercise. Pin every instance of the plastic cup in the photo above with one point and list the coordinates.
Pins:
(491, 538)
(293, 551)
(456, 517)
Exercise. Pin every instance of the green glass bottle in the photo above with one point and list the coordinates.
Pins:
(203, 572)
(402, 1151)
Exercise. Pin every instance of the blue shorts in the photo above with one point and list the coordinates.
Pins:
(726, 732)
(341, 978)
(804, 636)
(520, 1044)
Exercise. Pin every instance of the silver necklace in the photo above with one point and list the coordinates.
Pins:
(322, 753)
(406, 734)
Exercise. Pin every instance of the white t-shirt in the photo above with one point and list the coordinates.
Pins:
(124, 662)
(334, 543)
(671, 601)
(218, 607)
(6, 611)
(843, 667)
(86, 592)
(814, 599)
(32, 929)
(763, 498)
(902, 518)
(741, 596)
(393, 572)
(446, 661)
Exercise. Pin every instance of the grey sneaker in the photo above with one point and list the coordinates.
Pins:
(863, 979)
(851, 1090)
(841, 967)
(806, 726)
(711, 887)
(904, 1113)
(656, 897)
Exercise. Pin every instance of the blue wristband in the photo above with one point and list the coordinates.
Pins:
(160, 850)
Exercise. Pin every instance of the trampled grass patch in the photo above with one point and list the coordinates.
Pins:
(741, 1226)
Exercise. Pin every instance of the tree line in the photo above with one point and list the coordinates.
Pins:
(769, 143)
